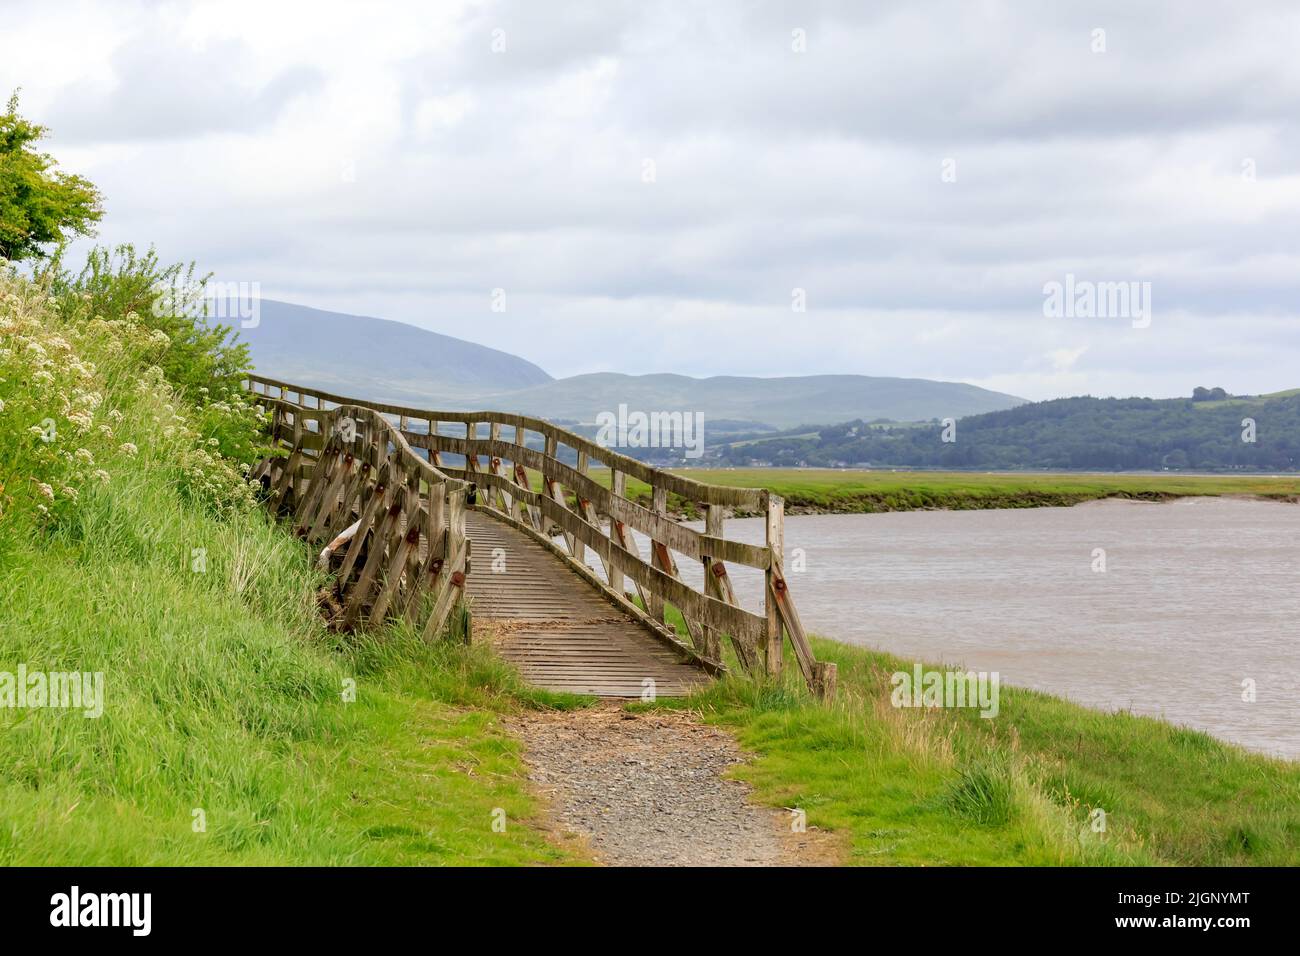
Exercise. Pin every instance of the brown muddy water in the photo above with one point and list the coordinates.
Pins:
(1198, 596)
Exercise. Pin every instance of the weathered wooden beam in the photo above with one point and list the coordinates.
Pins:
(554, 490)
(747, 499)
(330, 504)
(588, 511)
(659, 527)
(311, 501)
(775, 537)
(820, 676)
(397, 568)
(410, 494)
(712, 642)
(360, 590)
(660, 558)
(378, 506)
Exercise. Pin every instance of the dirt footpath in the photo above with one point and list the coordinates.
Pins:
(648, 790)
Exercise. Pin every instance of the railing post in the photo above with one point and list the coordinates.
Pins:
(775, 510)
(523, 512)
(585, 510)
(712, 640)
(617, 484)
(471, 437)
(435, 459)
(555, 491)
(497, 467)
(655, 600)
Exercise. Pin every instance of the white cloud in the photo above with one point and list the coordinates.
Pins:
(381, 158)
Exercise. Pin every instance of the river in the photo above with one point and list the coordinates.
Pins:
(1196, 597)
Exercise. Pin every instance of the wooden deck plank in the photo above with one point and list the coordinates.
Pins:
(560, 633)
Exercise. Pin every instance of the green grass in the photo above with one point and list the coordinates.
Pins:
(860, 491)
(871, 491)
(1248, 399)
(935, 787)
(235, 728)
(224, 694)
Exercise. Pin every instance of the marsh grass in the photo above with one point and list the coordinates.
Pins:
(921, 786)
(852, 491)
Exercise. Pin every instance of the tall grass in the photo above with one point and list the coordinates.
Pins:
(235, 728)
(1045, 782)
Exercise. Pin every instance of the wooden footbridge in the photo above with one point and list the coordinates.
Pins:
(501, 534)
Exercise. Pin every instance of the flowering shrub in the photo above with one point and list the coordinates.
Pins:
(81, 396)
(120, 281)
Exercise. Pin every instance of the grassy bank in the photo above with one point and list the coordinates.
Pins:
(225, 736)
(233, 729)
(936, 786)
(853, 492)
(818, 491)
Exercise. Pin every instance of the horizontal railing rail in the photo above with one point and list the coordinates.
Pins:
(593, 515)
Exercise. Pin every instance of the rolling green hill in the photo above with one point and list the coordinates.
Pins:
(780, 402)
(389, 361)
(1107, 434)
(377, 358)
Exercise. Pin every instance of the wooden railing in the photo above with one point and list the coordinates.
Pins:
(395, 523)
(499, 466)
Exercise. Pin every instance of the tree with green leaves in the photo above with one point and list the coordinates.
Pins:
(39, 205)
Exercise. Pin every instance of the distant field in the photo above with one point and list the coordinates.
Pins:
(1248, 399)
(851, 491)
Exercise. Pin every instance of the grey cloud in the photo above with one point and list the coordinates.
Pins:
(775, 170)
(166, 88)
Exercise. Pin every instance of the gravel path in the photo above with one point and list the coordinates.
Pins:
(648, 790)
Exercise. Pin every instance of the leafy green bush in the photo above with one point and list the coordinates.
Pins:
(81, 394)
(120, 281)
(38, 205)
(202, 360)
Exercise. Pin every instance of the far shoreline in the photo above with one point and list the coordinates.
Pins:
(809, 491)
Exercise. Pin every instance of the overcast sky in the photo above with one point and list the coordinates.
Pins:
(921, 171)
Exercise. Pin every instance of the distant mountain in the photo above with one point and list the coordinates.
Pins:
(1099, 434)
(381, 360)
(378, 359)
(779, 402)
